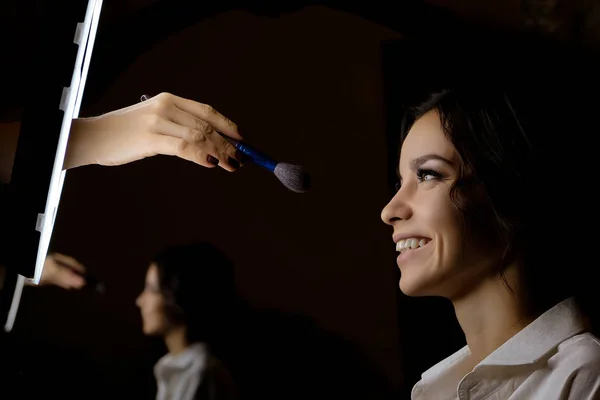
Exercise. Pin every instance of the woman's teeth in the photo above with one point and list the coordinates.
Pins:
(410, 244)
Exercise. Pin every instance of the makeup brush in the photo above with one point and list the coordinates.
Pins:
(293, 176)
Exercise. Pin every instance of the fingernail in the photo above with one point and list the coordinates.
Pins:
(213, 160)
(241, 157)
(233, 162)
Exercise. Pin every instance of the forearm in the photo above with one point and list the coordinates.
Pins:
(78, 147)
(166, 124)
(9, 136)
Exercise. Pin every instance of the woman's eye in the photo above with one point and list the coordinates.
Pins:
(427, 175)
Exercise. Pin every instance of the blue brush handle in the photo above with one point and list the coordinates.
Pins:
(256, 156)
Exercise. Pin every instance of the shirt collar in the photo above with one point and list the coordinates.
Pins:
(193, 354)
(540, 337)
(528, 346)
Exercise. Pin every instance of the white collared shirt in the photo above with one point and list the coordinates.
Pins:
(553, 358)
(178, 377)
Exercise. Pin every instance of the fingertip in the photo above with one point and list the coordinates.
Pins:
(212, 160)
(232, 135)
(233, 132)
(237, 136)
(80, 267)
(204, 161)
(227, 167)
(76, 278)
(235, 164)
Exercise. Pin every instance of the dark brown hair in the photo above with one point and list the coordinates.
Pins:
(197, 283)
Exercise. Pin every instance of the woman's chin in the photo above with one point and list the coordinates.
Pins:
(414, 288)
(151, 330)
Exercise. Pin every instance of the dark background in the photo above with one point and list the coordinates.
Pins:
(307, 83)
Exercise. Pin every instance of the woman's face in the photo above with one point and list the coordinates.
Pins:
(438, 255)
(152, 305)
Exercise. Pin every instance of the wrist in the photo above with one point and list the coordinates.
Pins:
(77, 153)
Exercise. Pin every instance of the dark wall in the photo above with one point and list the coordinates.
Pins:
(305, 88)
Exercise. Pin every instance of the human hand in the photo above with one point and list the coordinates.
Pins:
(59, 270)
(164, 124)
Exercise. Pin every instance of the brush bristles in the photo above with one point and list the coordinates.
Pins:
(293, 177)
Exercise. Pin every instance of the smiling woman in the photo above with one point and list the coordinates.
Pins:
(469, 227)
